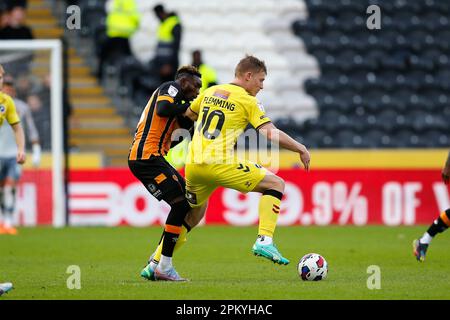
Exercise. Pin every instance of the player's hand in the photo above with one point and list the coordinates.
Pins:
(305, 157)
(446, 175)
(20, 157)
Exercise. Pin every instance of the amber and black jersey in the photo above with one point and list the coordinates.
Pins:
(154, 130)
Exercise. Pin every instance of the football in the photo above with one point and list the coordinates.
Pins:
(312, 267)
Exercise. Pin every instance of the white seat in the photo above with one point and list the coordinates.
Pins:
(295, 100)
(227, 30)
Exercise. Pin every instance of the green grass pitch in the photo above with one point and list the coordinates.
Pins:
(220, 265)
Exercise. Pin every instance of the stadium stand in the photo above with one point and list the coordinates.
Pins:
(332, 83)
(378, 88)
(94, 124)
(229, 38)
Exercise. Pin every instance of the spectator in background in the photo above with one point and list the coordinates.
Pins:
(12, 154)
(3, 17)
(38, 98)
(15, 28)
(24, 112)
(122, 21)
(166, 59)
(209, 76)
(10, 169)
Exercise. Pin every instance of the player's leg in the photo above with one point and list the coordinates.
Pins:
(2, 183)
(158, 178)
(197, 195)
(246, 176)
(9, 195)
(172, 231)
(439, 225)
(272, 189)
(193, 218)
(2, 210)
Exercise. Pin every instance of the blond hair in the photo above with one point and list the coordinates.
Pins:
(250, 64)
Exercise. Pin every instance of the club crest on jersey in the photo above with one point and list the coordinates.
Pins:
(172, 91)
(2, 108)
(221, 94)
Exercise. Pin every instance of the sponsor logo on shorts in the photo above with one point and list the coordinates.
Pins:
(154, 191)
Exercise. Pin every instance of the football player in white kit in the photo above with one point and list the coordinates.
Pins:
(12, 153)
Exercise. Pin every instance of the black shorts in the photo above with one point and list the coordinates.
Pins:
(160, 179)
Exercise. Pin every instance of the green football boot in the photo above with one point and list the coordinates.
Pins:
(269, 251)
(148, 272)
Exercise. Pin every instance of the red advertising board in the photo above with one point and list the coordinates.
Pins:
(320, 197)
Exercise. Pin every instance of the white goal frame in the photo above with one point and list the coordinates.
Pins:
(56, 113)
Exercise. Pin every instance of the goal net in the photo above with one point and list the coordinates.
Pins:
(34, 75)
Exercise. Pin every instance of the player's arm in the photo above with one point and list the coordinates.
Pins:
(169, 101)
(33, 136)
(191, 114)
(194, 109)
(284, 140)
(259, 120)
(20, 141)
(168, 108)
(446, 170)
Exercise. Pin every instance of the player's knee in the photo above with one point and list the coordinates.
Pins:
(194, 216)
(278, 184)
(178, 212)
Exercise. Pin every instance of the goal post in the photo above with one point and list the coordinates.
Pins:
(55, 47)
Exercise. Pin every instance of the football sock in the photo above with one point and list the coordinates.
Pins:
(181, 241)
(9, 194)
(173, 227)
(165, 263)
(439, 225)
(269, 208)
(171, 234)
(426, 238)
(264, 240)
(2, 207)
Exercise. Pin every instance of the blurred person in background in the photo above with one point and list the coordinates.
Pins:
(41, 116)
(24, 112)
(122, 21)
(166, 60)
(3, 16)
(439, 225)
(14, 26)
(209, 75)
(9, 172)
